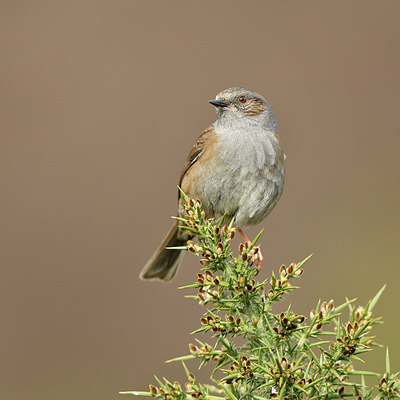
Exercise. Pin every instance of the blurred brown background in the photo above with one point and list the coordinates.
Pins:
(101, 102)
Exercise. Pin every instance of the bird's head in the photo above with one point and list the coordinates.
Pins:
(238, 103)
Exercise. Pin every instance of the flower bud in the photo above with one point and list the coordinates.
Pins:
(153, 389)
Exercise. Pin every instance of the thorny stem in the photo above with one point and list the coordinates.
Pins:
(280, 355)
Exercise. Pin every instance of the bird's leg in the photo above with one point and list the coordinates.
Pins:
(248, 241)
(244, 236)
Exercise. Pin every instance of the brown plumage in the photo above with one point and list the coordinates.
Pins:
(164, 262)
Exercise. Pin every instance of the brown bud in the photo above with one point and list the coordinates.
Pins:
(191, 249)
(191, 378)
(330, 304)
(192, 348)
(290, 268)
(244, 256)
(216, 282)
(153, 389)
(341, 390)
(318, 326)
(301, 382)
(203, 321)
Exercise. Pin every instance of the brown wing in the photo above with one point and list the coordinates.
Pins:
(195, 153)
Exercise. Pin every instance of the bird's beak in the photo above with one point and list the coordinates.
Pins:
(218, 103)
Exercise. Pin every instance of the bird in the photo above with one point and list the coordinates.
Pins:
(235, 168)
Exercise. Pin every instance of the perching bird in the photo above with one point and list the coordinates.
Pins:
(236, 168)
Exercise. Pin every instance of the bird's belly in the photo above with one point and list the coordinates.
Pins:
(243, 191)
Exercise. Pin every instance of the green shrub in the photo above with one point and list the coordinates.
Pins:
(278, 355)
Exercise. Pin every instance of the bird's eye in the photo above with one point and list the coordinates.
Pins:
(242, 99)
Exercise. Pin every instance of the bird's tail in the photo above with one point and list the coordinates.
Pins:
(164, 263)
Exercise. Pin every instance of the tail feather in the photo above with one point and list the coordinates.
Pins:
(164, 263)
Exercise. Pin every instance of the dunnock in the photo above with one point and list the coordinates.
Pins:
(236, 168)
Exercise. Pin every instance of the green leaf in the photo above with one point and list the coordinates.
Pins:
(135, 393)
(365, 373)
(184, 195)
(301, 263)
(253, 243)
(176, 248)
(344, 305)
(282, 392)
(186, 369)
(226, 390)
(387, 361)
(373, 302)
(182, 358)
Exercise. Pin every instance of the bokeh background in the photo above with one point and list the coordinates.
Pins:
(100, 103)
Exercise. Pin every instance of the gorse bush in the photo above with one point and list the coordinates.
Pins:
(258, 354)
